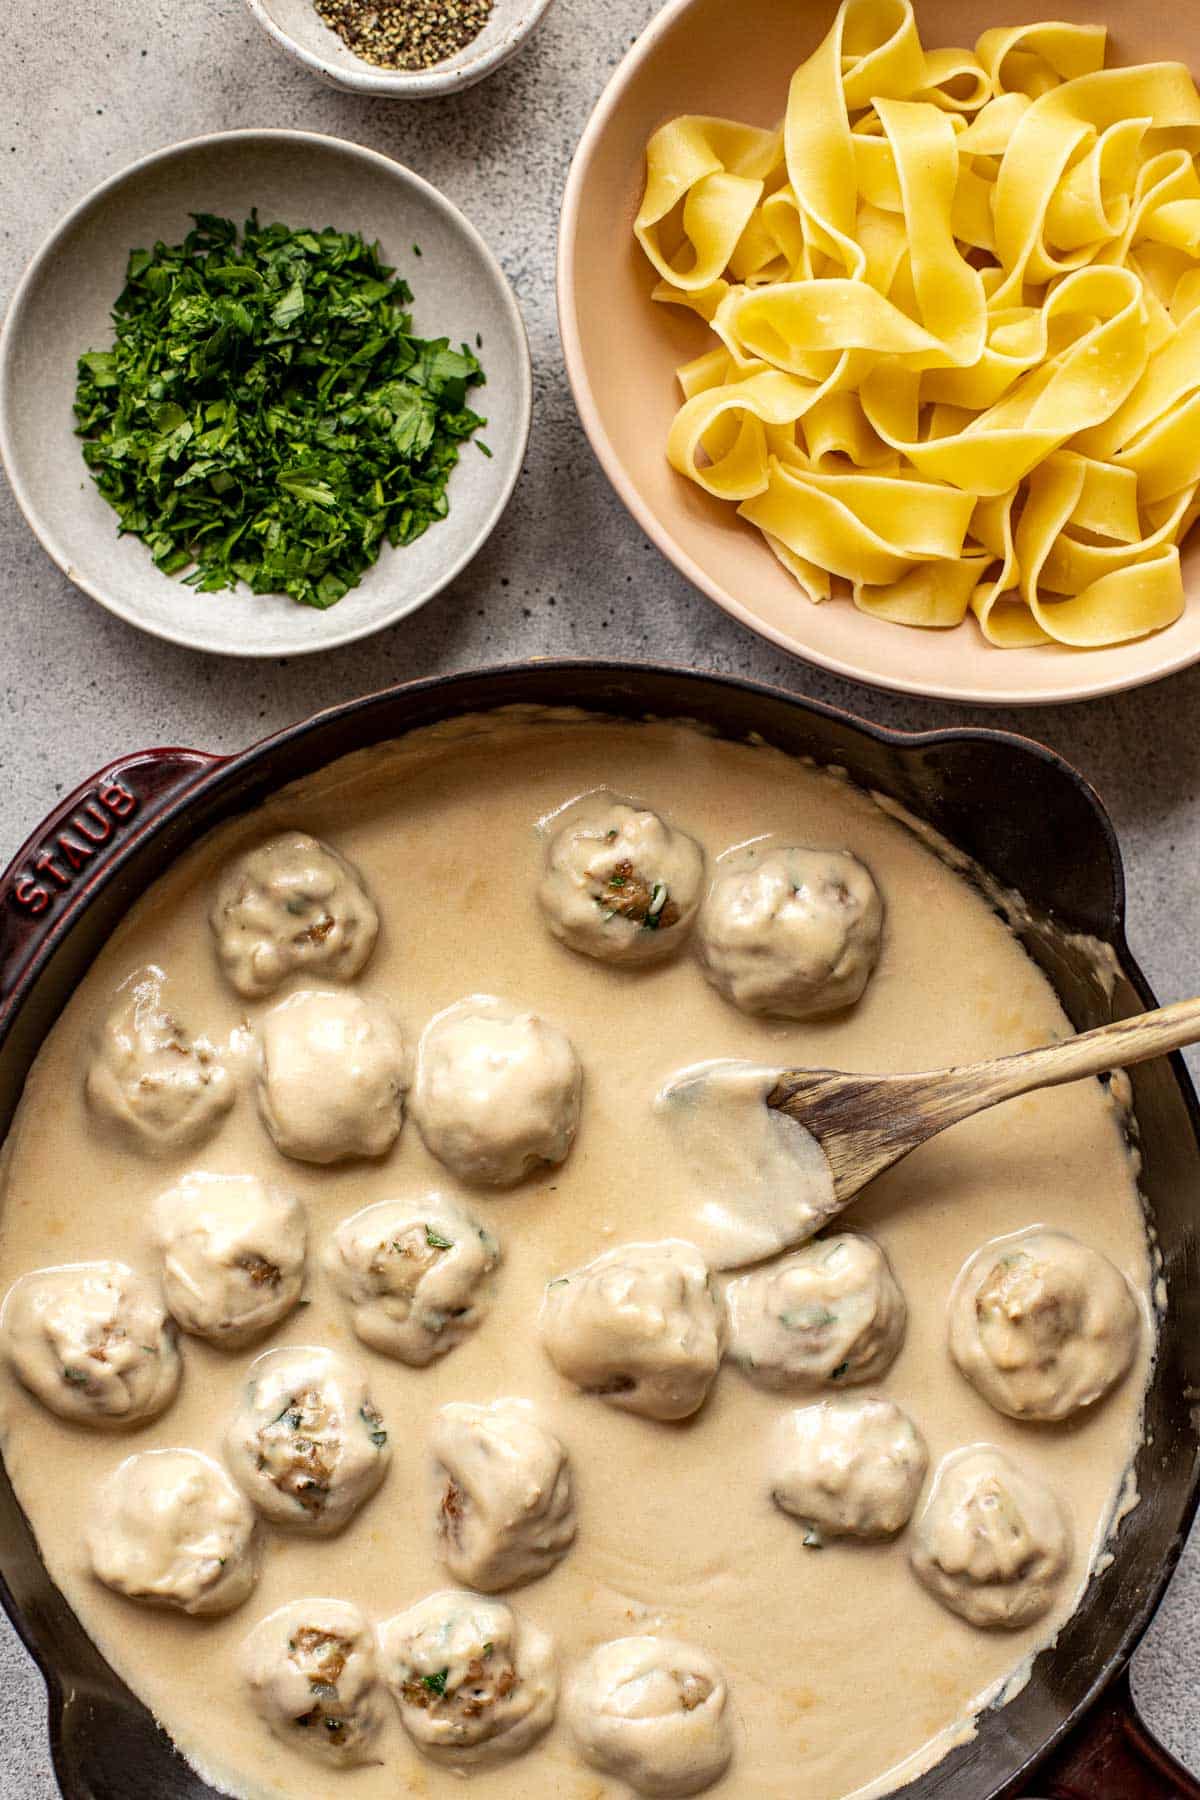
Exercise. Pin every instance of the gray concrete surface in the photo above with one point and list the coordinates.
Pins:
(84, 90)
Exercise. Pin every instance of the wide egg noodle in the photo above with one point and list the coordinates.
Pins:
(955, 300)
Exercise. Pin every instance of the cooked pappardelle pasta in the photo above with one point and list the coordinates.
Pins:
(957, 302)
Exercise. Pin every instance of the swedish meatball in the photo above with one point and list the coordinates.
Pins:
(233, 1255)
(830, 1312)
(307, 1444)
(414, 1274)
(93, 1342)
(620, 884)
(332, 1075)
(641, 1326)
(149, 1078)
(312, 1676)
(1042, 1325)
(790, 933)
(993, 1542)
(291, 903)
(168, 1527)
(652, 1712)
(505, 1512)
(847, 1467)
(497, 1091)
(474, 1684)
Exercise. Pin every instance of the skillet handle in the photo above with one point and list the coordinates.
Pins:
(54, 870)
(1112, 1756)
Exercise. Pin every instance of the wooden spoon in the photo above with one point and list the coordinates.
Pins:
(865, 1123)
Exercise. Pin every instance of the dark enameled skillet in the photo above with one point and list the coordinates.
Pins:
(1017, 810)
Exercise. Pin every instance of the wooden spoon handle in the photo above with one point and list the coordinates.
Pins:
(970, 1090)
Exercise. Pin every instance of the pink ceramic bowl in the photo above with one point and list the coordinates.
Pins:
(711, 56)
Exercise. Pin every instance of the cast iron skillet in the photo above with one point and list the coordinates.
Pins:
(1016, 809)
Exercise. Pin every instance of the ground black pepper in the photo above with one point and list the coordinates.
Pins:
(405, 34)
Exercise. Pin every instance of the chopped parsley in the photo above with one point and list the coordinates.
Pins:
(436, 1684)
(265, 414)
(374, 1425)
(436, 1241)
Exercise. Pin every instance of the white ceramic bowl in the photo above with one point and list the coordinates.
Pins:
(733, 58)
(62, 307)
(299, 31)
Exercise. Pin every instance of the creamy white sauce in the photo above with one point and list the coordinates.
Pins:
(741, 1180)
(677, 1534)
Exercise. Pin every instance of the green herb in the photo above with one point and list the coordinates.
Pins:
(374, 1425)
(836, 1374)
(487, 1650)
(265, 414)
(436, 1241)
(76, 1377)
(436, 1683)
(559, 1281)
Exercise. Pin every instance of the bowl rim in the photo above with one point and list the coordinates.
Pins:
(43, 259)
(962, 693)
(458, 72)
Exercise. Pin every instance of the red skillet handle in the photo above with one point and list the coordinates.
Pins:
(49, 877)
(1112, 1756)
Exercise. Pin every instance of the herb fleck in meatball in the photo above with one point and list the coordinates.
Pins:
(307, 1444)
(169, 1528)
(847, 1467)
(473, 1682)
(291, 904)
(497, 1091)
(414, 1274)
(641, 1326)
(1042, 1325)
(150, 1079)
(312, 1676)
(505, 1511)
(829, 1313)
(993, 1543)
(652, 1712)
(332, 1076)
(620, 884)
(233, 1255)
(93, 1342)
(790, 933)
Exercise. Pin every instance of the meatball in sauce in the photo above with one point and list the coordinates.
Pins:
(307, 1444)
(415, 1275)
(497, 1091)
(474, 1683)
(291, 905)
(311, 1672)
(791, 933)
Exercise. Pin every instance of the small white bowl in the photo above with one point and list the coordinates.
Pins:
(299, 31)
(61, 308)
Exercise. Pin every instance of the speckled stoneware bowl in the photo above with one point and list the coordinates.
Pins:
(296, 27)
(62, 306)
(734, 58)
